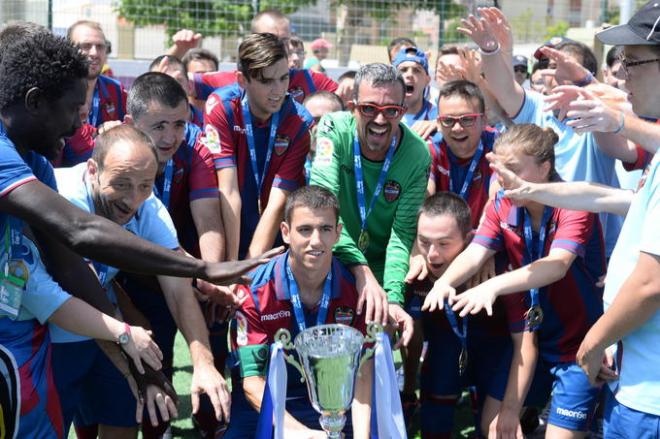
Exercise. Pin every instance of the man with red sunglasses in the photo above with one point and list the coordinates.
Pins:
(378, 169)
(459, 149)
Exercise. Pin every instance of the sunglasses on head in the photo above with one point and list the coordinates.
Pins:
(372, 110)
(466, 120)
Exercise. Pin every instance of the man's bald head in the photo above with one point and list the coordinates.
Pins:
(271, 21)
(125, 140)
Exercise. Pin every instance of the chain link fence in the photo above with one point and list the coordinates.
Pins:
(359, 30)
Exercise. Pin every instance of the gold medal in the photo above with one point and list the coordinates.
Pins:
(534, 317)
(363, 241)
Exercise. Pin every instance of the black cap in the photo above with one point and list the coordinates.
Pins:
(642, 29)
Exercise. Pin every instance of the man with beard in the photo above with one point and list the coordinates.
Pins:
(378, 169)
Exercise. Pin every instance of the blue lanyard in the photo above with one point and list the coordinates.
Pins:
(101, 269)
(96, 104)
(468, 178)
(249, 133)
(297, 304)
(359, 179)
(167, 184)
(424, 112)
(453, 322)
(530, 254)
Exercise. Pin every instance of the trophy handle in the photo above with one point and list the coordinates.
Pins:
(284, 338)
(373, 332)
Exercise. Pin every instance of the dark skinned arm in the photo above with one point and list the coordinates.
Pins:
(73, 274)
(104, 241)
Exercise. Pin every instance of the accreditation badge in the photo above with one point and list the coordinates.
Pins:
(13, 278)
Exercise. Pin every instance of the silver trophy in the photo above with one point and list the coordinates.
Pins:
(331, 358)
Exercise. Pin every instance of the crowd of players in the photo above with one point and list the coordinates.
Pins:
(397, 202)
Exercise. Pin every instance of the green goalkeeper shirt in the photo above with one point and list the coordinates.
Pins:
(391, 224)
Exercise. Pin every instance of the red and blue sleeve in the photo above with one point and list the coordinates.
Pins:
(489, 234)
(574, 229)
(203, 181)
(217, 133)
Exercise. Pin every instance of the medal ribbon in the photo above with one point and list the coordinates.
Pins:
(453, 322)
(167, 184)
(249, 133)
(359, 179)
(468, 177)
(530, 254)
(96, 104)
(297, 303)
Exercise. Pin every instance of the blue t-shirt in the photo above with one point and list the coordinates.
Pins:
(639, 377)
(577, 157)
(151, 222)
(428, 112)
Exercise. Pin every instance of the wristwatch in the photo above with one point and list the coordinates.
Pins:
(125, 336)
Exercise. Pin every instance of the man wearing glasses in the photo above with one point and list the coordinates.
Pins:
(459, 162)
(378, 169)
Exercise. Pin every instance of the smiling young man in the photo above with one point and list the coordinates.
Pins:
(259, 138)
(414, 68)
(326, 294)
(459, 155)
(378, 169)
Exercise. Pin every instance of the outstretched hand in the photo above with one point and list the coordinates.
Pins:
(585, 111)
(478, 29)
(231, 272)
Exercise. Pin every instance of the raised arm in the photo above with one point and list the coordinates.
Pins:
(574, 195)
(492, 34)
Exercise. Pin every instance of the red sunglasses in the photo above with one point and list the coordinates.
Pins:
(466, 120)
(372, 110)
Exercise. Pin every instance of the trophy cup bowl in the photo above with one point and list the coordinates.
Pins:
(330, 360)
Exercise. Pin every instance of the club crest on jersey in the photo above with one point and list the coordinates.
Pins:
(344, 315)
(281, 144)
(391, 190)
(241, 329)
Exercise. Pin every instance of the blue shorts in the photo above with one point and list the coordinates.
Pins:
(622, 422)
(489, 359)
(573, 401)
(91, 389)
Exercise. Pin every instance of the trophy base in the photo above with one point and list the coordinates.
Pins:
(332, 424)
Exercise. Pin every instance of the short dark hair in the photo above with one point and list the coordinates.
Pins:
(153, 86)
(348, 74)
(127, 133)
(378, 74)
(42, 60)
(327, 95)
(448, 203)
(398, 43)
(200, 54)
(313, 197)
(465, 89)
(259, 51)
(448, 50)
(583, 52)
(172, 60)
(613, 55)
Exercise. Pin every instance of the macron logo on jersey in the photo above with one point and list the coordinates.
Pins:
(571, 413)
(276, 316)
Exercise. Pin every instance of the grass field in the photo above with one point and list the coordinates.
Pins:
(182, 427)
